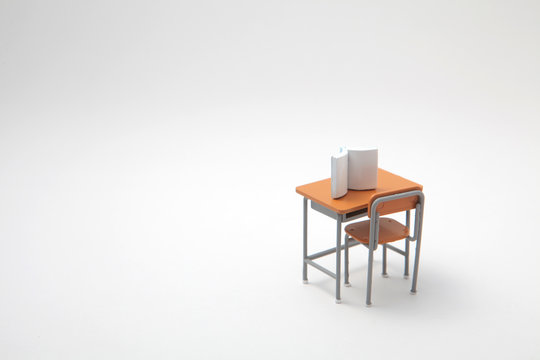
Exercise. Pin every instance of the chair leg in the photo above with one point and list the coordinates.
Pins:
(415, 270)
(407, 247)
(384, 273)
(369, 277)
(346, 261)
(420, 213)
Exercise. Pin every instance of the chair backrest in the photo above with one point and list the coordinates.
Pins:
(393, 206)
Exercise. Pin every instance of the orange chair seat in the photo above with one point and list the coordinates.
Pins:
(389, 230)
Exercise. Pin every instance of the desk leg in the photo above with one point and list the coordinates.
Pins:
(304, 255)
(407, 244)
(338, 260)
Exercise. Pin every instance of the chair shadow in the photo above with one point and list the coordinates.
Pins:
(435, 294)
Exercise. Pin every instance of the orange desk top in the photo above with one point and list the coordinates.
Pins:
(387, 184)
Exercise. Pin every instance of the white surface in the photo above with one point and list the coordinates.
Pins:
(339, 174)
(121, 123)
(362, 170)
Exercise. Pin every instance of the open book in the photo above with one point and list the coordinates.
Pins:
(354, 169)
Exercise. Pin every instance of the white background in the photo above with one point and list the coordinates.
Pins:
(149, 153)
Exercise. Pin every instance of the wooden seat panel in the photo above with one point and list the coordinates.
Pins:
(389, 230)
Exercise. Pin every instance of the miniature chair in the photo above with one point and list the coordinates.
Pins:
(383, 231)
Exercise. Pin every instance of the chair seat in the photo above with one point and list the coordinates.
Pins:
(389, 230)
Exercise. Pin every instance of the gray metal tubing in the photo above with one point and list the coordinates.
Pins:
(353, 242)
(420, 214)
(372, 229)
(320, 254)
(338, 259)
(373, 238)
(346, 260)
(319, 267)
(408, 219)
(304, 252)
(369, 277)
(383, 199)
(407, 252)
(384, 259)
(407, 243)
(416, 220)
(395, 249)
(374, 234)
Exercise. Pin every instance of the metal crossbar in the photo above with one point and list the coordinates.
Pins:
(321, 268)
(393, 248)
(331, 251)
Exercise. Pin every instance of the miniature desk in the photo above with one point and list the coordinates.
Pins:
(350, 207)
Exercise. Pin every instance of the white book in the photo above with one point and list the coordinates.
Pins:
(362, 168)
(339, 178)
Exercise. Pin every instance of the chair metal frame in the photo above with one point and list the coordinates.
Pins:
(374, 240)
(309, 259)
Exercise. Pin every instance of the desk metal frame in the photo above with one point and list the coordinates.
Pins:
(308, 259)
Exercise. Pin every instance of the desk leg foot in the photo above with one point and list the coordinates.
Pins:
(347, 284)
(338, 301)
(405, 276)
(305, 282)
(412, 292)
(368, 304)
(384, 275)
